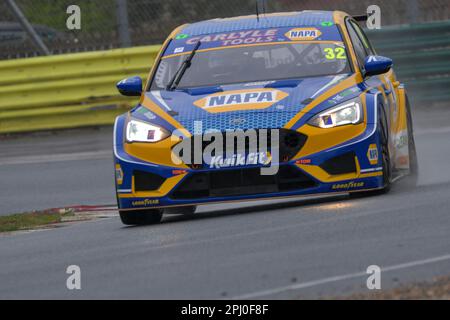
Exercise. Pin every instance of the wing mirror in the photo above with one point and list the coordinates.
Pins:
(376, 65)
(130, 87)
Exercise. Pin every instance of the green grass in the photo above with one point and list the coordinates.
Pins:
(28, 221)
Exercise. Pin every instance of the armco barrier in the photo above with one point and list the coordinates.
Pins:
(77, 90)
(68, 91)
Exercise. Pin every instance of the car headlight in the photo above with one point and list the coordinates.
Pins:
(138, 131)
(349, 112)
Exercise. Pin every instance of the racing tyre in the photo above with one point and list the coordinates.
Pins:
(386, 157)
(141, 217)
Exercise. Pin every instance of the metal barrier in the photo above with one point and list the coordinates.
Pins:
(69, 90)
(77, 90)
(421, 55)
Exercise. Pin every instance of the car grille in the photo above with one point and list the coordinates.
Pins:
(290, 144)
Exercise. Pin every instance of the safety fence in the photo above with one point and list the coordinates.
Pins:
(76, 90)
(108, 24)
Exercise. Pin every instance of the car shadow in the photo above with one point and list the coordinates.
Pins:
(252, 209)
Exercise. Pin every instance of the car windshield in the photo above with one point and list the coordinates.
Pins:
(244, 64)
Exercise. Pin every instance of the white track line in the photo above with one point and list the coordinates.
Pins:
(57, 157)
(263, 293)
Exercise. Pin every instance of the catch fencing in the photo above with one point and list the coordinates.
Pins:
(108, 24)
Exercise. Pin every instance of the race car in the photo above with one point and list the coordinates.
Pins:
(326, 113)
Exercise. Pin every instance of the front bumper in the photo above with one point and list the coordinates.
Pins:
(329, 171)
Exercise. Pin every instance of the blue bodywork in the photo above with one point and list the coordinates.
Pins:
(267, 119)
(300, 93)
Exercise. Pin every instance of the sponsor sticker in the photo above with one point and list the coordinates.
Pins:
(403, 162)
(237, 121)
(401, 140)
(402, 153)
(347, 186)
(146, 113)
(327, 24)
(252, 158)
(259, 84)
(303, 34)
(179, 50)
(241, 100)
(372, 154)
(304, 161)
(179, 172)
(145, 203)
(327, 120)
(341, 96)
(237, 38)
(119, 174)
(181, 36)
(335, 53)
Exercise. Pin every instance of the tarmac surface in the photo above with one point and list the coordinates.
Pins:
(310, 248)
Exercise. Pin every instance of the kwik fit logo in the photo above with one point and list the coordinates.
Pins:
(240, 159)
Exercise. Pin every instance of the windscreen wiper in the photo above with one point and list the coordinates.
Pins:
(175, 81)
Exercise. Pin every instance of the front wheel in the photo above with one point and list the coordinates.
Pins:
(386, 161)
(141, 217)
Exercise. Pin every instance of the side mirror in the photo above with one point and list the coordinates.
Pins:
(130, 87)
(375, 65)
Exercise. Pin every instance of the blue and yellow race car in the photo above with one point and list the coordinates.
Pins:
(249, 108)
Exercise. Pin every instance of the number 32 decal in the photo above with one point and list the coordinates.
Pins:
(335, 53)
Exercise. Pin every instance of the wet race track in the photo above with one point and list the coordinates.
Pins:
(306, 248)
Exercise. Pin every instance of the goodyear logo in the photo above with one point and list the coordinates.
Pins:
(303, 34)
(145, 203)
(372, 154)
(241, 100)
(348, 186)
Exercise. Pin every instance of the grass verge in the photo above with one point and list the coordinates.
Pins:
(28, 221)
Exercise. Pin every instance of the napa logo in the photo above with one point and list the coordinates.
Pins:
(119, 174)
(241, 100)
(303, 34)
(372, 154)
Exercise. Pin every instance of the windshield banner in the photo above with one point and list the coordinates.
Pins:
(184, 43)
